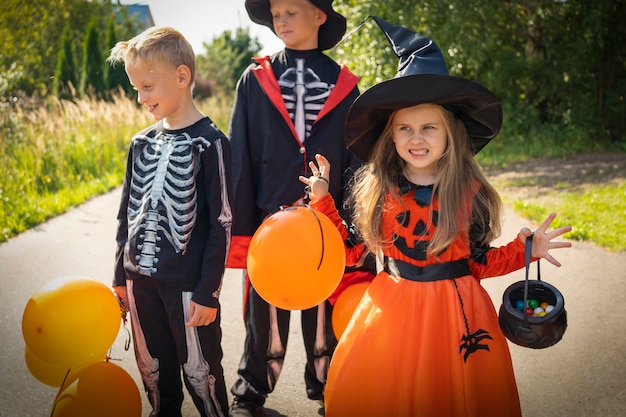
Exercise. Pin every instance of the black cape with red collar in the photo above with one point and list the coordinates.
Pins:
(267, 155)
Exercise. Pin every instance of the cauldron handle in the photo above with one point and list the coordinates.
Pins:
(528, 248)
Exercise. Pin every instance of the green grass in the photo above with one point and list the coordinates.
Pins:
(56, 155)
(35, 210)
(598, 215)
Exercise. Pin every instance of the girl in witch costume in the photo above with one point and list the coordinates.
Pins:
(424, 340)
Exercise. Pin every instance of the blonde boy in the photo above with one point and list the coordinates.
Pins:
(174, 228)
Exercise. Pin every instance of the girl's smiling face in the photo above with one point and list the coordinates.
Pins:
(421, 138)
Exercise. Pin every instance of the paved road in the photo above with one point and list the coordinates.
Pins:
(583, 375)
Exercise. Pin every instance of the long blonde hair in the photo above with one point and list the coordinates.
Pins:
(459, 183)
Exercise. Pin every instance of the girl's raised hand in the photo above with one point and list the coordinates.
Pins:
(318, 183)
(542, 240)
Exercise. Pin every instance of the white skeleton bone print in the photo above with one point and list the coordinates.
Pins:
(197, 369)
(148, 366)
(275, 351)
(163, 195)
(322, 362)
(304, 95)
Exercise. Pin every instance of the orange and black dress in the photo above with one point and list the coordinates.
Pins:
(424, 340)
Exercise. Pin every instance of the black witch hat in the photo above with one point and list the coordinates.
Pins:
(329, 33)
(422, 78)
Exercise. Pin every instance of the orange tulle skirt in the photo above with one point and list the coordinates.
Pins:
(422, 349)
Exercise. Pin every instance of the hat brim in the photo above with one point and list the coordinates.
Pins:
(330, 33)
(478, 108)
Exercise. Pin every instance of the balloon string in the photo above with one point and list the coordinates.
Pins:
(124, 313)
(127, 338)
(319, 223)
(56, 398)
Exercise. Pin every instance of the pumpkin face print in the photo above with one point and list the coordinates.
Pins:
(413, 234)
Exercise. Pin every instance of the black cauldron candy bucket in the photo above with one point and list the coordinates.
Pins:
(527, 330)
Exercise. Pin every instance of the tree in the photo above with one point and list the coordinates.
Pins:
(364, 49)
(592, 56)
(31, 34)
(225, 59)
(555, 64)
(116, 78)
(65, 80)
(92, 72)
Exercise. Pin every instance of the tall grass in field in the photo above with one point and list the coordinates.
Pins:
(218, 108)
(56, 155)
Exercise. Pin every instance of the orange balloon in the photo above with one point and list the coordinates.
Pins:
(345, 306)
(101, 389)
(71, 321)
(296, 258)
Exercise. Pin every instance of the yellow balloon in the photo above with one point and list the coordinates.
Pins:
(48, 373)
(71, 321)
(345, 306)
(101, 389)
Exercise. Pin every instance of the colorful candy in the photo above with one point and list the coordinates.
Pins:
(534, 308)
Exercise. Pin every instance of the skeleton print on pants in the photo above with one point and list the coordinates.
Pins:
(196, 369)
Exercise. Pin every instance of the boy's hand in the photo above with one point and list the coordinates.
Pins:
(122, 296)
(200, 315)
(318, 183)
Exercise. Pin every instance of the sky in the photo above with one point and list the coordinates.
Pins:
(202, 20)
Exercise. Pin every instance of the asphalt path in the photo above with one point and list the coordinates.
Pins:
(583, 375)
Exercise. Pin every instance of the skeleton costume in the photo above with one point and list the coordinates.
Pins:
(172, 241)
(424, 340)
(288, 108)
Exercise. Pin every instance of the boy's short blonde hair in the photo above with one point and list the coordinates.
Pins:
(155, 45)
